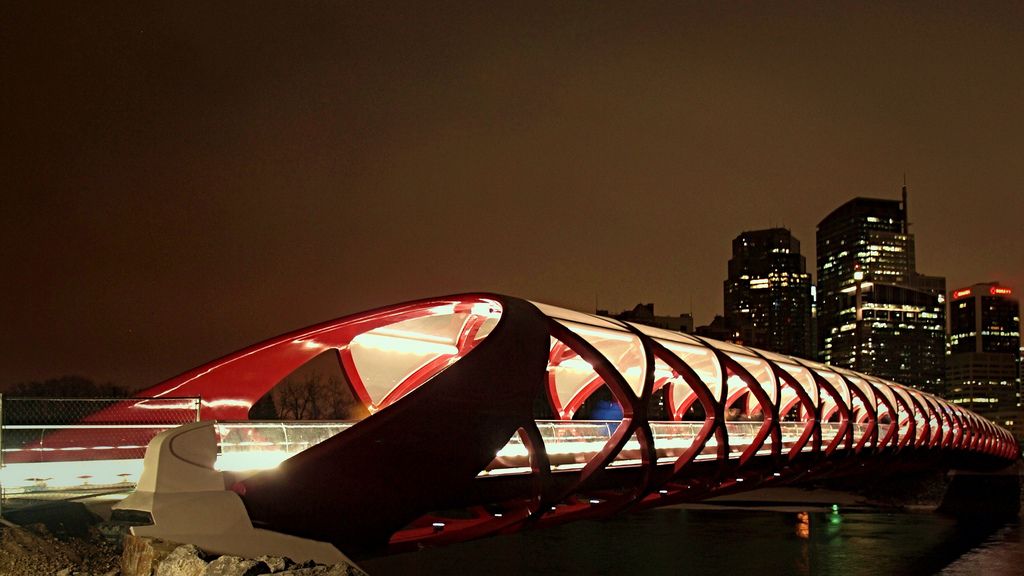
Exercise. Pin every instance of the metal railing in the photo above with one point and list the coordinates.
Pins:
(45, 443)
(78, 445)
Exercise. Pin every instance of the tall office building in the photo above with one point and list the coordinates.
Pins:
(875, 312)
(768, 292)
(983, 367)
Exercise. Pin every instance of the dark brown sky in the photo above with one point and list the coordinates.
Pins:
(180, 182)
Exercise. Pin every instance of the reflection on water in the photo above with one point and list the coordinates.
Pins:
(733, 542)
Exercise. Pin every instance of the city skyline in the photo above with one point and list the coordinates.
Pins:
(182, 183)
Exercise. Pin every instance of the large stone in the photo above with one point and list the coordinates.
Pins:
(235, 566)
(333, 570)
(276, 563)
(140, 555)
(185, 560)
(343, 570)
(137, 556)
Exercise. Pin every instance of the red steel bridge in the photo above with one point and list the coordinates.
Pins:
(484, 414)
(474, 424)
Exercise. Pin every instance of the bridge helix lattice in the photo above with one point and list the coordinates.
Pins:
(483, 413)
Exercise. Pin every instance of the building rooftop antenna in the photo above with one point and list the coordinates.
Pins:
(906, 217)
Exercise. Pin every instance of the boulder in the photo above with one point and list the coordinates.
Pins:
(235, 566)
(333, 570)
(136, 556)
(277, 563)
(140, 556)
(185, 560)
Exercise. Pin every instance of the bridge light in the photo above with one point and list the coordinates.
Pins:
(662, 491)
(438, 526)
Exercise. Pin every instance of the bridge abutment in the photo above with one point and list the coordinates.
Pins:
(984, 495)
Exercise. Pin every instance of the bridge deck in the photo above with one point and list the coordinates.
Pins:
(254, 445)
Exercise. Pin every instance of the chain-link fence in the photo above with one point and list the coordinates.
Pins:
(44, 441)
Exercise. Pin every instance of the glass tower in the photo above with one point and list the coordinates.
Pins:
(768, 292)
(875, 312)
(983, 368)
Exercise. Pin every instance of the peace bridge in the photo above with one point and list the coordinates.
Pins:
(483, 414)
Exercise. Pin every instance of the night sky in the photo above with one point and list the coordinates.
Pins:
(181, 181)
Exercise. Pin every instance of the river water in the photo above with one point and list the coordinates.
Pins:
(736, 542)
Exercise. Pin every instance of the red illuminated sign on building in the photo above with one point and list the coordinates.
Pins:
(961, 293)
(999, 291)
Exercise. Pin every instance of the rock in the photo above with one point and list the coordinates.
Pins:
(335, 570)
(343, 570)
(136, 556)
(185, 560)
(276, 563)
(315, 571)
(113, 532)
(235, 566)
(140, 556)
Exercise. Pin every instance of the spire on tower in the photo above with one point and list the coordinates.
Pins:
(906, 217)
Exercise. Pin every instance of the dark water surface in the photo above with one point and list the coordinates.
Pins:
(733, 542)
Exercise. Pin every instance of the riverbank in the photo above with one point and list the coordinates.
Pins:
(70, 539)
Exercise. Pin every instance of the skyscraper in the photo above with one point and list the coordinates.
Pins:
(983, 368)
(768, 292)
(876, 313)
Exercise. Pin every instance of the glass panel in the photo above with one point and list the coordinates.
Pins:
(489, 323)
(837, 382)
(858, 432)
(702, 360)
(577, 317)
(904, 416)
(859, 382)
(571, 374)
(571, 444)
(666, 336)
(799, 373)
(251, 446)
(672, 439)
(679, 392)
(621, 348)
(791, 432)
(513, 458)
(729, 347)
(387, 356)
(762, 373)
(829, 431)
(741, 436)
(789, 403)
(883, 389)
(883, 429)
(630, 455)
